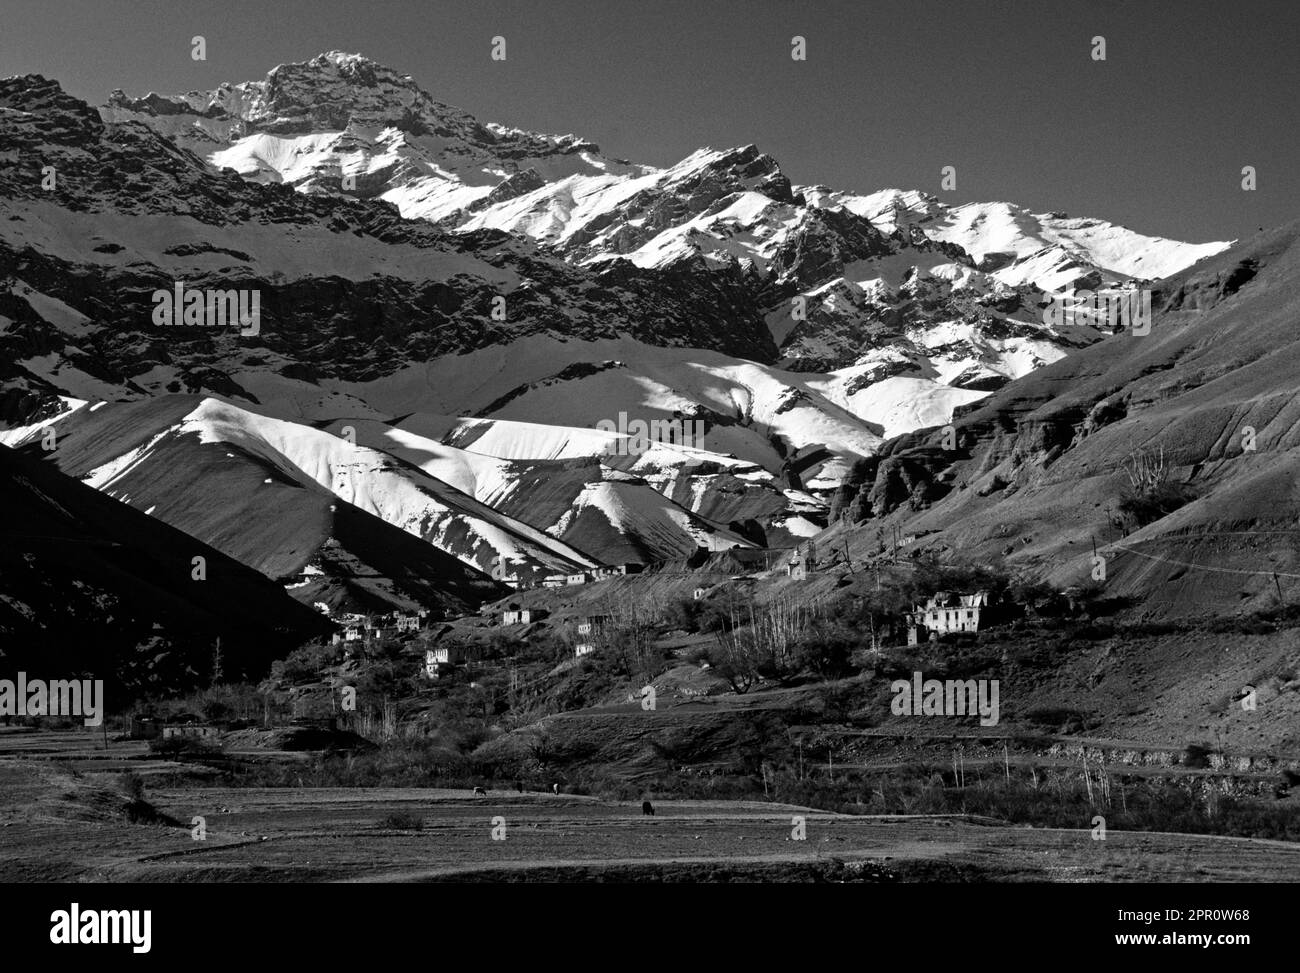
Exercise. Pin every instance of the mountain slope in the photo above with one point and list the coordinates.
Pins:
(1044, 463)
(268, 492)
(548, 493)
(248, 501)
(92, 586)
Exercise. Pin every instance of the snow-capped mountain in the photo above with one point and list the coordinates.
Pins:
(341, 117)
(860, 265)
(473, 301)
(1051, 250)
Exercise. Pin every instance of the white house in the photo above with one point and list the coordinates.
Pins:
(409, 623)
(616, 570)
(945, 612)
(589, 625)
(442, 655)
(522, 616)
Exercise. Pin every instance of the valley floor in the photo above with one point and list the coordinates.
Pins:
(60, 824)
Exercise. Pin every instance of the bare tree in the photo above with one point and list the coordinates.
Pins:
(761, 636)
(541, 747)
(1146, 473)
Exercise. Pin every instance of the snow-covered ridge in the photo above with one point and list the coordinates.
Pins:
(340, 123)
(338, 114)
(369, 479)
(343, 123)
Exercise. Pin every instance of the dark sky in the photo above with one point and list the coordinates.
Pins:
(1154, 137)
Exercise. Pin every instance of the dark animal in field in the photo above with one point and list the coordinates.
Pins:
(480, 791)
(519, 786)
(647, 808)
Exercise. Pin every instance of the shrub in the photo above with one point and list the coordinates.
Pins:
(715, 618)
(214, 710)
(1142, 507)
(132, 785)
(825, 650)
(684, 613)
(1196, 755)
(304, 664)
(142, 812)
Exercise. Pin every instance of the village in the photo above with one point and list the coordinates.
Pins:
(601, 573)
(730, 680)
(447, 645)
(940, 615)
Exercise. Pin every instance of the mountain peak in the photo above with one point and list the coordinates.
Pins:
(342, 122)
(331, 91)
(345, 59)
